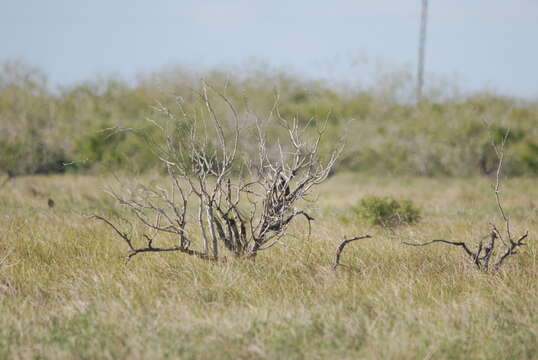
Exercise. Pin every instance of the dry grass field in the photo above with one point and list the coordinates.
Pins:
(66, 291)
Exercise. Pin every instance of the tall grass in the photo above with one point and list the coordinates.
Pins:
(66, 291)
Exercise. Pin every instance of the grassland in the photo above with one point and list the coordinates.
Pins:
(66, 291)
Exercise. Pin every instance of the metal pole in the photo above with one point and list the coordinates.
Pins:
(422, 49)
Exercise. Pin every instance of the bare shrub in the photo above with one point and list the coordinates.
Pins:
(227, 187)
(491, 255)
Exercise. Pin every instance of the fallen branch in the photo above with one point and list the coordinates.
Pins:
(455, 243)
(150, 248)
(343, 245)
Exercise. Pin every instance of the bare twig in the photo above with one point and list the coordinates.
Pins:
(499, 151)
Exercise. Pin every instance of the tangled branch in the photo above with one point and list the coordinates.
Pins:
(219, 191)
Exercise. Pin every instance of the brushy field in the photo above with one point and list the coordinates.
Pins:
(66, 291)
(101, 124)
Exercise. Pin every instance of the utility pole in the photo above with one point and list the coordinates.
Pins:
(422, 49)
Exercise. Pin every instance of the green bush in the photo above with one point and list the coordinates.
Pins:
(30, 156)
(441, 136)
(526, 155)
(112, 149)
(387, 211)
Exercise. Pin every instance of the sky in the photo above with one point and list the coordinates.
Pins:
(486, 44)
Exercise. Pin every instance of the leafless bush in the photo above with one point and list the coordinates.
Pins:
(491, 255)
(219, 194)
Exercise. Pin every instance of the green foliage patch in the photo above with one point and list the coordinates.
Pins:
(386, 211)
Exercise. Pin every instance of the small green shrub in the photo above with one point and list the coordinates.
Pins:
(526, 156)
(387, 211)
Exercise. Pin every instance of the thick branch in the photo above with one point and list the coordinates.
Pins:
(455, 243)
(343, 245)
(149, 248)
(194, 253)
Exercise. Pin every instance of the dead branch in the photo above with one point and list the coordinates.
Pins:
(482, 262)
(207, 196)
(511, 249)
(462, 244)
(484, 254)
(343, 245)
(150, 248)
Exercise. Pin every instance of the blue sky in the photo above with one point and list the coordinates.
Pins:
(489, 44)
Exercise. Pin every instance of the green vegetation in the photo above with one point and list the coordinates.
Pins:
(386, 211)
(66, 291)
(101, 125)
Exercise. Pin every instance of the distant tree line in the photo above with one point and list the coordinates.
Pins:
(105, 123)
